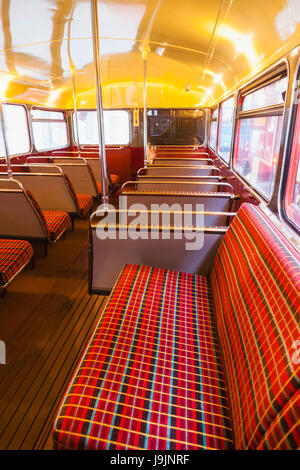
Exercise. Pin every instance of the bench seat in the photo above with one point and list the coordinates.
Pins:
(148, 380)
(14, 256)
(180, 361)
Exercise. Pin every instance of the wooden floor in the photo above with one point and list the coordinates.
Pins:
(45, 320)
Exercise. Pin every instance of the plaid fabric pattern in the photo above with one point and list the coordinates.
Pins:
(85, 203)
(99, 187)
(284, 432)
(256, 283)
(57, 223)
(37, 207)
(152, 374)
(14, 255)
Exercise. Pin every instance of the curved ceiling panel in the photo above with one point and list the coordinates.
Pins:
(199, 50)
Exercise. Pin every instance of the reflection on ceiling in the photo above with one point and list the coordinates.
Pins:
(200, 50)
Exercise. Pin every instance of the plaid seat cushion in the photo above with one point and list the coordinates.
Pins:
(152, 374)
(284, 432)
(85, 203)
(14, 255)
(99, 187)
(57, 223)
(256, 283)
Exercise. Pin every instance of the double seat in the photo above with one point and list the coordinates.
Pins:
(22, 218)
(52, 189)
(180, 361)
(84, 173)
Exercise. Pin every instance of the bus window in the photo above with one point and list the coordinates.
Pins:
(269, 95)
(226, 128)
(116, 127)
(176, 126)
(16, 129)
(214, 130)
(49, 129)
(292, 195)
(258, 138)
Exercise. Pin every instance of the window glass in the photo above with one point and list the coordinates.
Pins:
(16, 129)
(266, 96)
(176, 126)
(256, 152)
(42, 114)
(49, 129)
(226, 128)
(214, 130)
(116, 127)
(160, 126)
(292, 196)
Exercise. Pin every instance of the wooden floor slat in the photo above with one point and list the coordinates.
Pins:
(45, 320)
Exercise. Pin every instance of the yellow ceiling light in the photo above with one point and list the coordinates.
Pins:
(54, 96)
(243, 44)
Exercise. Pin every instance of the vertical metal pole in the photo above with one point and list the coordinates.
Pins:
(75, 113)
(145, 112)
(4, 137)
(102, 153)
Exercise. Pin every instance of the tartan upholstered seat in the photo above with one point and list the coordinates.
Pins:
(85, 203)
(153, 377)
(99, 187)
(255, 282)
(149, 379)
(14, 255)
(115, 179)
(57, 223)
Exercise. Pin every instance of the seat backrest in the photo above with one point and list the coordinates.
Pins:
(67, 159)
(255, 281)
(50, 190)
(182, 185)
(81, 178)
(177, 161)
(19, 218)
(39, 160)
(166, 171)
(43, 168)
(212, 202)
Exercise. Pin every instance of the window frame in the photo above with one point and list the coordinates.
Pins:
(228, 164)
(288, 157)
(274, 75)
(216, 108)
(82, 145)
(56, 110)
(28, 129)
